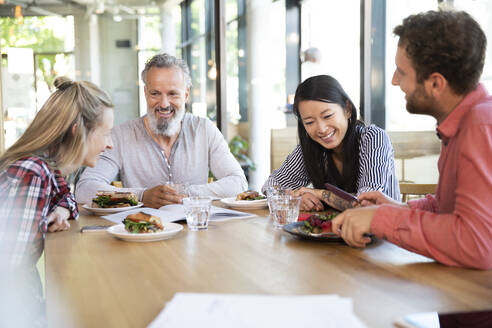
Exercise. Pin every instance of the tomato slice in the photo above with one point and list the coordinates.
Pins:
(303, 216)
(326, 226)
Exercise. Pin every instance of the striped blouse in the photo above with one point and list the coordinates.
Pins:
(376, 166)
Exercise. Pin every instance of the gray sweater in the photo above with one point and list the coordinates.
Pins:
(141, 164)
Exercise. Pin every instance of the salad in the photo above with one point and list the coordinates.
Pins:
(318, 223)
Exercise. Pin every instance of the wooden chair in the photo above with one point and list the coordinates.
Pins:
(407, 189)
(412, 144)
(283, 142)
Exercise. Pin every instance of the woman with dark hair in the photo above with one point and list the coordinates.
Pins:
(334, 147)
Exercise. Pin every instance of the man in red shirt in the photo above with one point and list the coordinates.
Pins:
(439, 61)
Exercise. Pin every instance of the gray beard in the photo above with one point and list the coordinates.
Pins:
(166, 128)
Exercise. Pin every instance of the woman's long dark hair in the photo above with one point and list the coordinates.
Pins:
(318, 160)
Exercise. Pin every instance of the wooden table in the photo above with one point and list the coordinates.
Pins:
(94, 280)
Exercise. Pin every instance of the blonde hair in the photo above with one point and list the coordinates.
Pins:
(61, 127)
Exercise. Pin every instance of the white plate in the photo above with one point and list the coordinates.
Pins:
(104, 211)
(170, 230)
(245, 204)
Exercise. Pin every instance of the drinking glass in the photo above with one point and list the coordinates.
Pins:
(180, 188)
(197, 211)
(285, 209)
(273, 191)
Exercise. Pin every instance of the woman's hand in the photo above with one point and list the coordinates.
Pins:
(309, 202)
(309, 199)
(58, 219)
(377, 198)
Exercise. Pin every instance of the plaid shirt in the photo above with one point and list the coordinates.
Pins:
(29, 192)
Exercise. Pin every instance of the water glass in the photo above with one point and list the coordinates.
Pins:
(197, 211)
(274, 191)
(284, 210)
(180, 188)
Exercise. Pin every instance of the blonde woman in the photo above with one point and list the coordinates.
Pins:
(71, 129)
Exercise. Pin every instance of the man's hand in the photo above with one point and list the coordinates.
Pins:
(58, 219)
(161, 195)
(309, 200)
(377, 198)
(354, 225)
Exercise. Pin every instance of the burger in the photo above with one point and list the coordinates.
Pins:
(142, 223)
(112, 199)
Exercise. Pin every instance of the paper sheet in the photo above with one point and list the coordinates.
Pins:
(254, 311)
(175, 212)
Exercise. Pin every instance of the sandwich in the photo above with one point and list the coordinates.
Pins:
(142, 223)
(249, 195)
(111, 199)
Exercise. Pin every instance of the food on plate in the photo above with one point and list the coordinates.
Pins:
(112, 199)
(249, 195)
(318, 223)
(142, 223)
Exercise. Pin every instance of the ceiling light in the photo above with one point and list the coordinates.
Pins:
(293, 38)
(212, 73)
(99, 7)
(312, 55)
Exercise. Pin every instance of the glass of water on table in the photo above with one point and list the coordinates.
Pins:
(273, 191)
(197, 211)
(284, 209)
(179, 188)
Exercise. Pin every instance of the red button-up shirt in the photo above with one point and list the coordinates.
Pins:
(454, 226)
(29, 191)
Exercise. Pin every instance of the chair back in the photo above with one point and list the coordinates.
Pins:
(407, 189)
(410, 144)
(413, 144)
(283, 142)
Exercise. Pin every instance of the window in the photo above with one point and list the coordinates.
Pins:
(276, 52)
(233, 54)
(330, 42)
(149, 44)
(198, 49)
(397, 117)
(34, 52)
(482, 12)
(150, 35)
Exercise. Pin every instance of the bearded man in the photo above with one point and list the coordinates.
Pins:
(439, 60)
(165, 146)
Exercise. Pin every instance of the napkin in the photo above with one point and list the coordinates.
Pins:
(190, 310)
